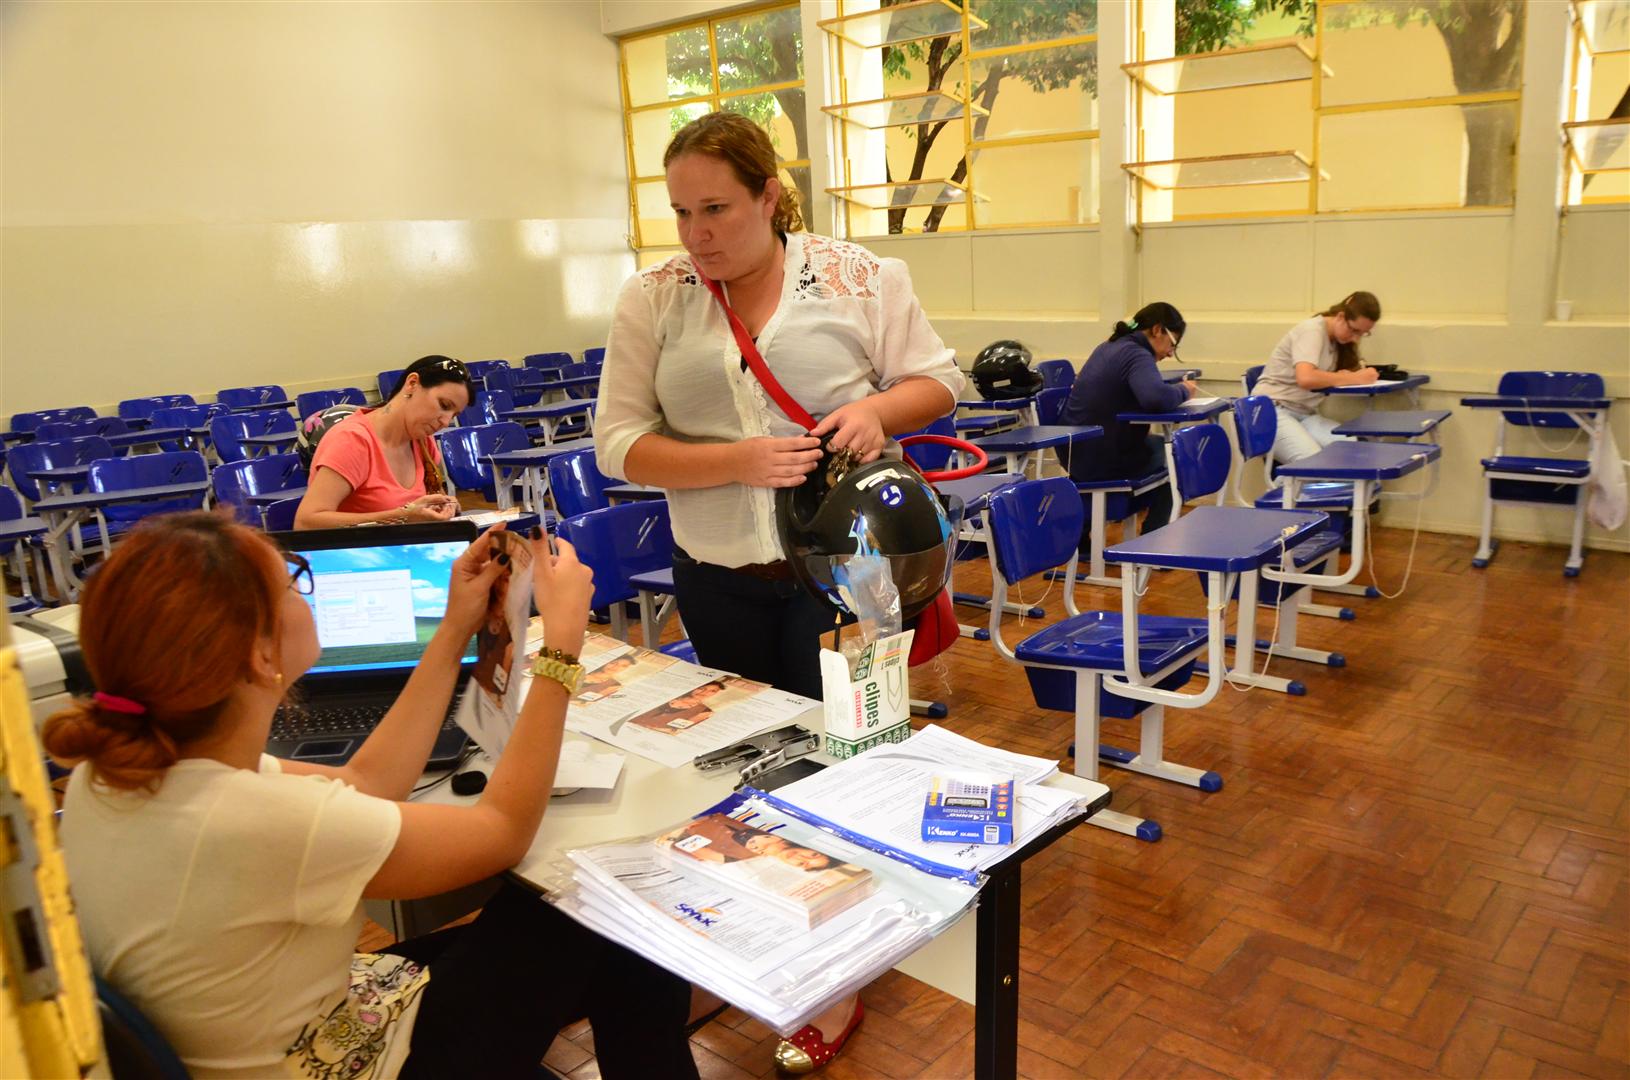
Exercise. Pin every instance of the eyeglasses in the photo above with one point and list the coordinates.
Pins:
(453, 367)
(301, 579)
(1356, 331)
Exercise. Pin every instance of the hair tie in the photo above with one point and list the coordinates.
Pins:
(115, 703)
(1132, 323)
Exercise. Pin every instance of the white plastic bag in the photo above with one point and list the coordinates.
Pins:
(1607, 489)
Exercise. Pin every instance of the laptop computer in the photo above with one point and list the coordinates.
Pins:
(379, 595)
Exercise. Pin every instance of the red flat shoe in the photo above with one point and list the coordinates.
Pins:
(806, 1051)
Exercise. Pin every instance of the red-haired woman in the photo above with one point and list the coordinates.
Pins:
(221, 889)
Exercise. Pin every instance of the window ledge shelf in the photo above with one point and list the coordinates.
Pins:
(1226, 170)
(1226, 69)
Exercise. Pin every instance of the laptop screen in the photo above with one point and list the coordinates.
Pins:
(377, 607)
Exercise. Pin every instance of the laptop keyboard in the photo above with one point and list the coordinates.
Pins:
(319, 721)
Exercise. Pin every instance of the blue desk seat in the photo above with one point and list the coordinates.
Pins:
(1570, 400)
(1032, 527)
(1327, 496)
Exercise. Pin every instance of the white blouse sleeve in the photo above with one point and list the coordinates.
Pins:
(628, 406)
(905, 343)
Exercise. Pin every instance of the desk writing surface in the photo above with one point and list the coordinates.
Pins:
(1004, 403)
(1229, 539)
(61, 473)
(974, 490)
(86, 499)
(149, 435)
(1179, 374)
(18, 528)
(1383, 386)
(1184, 413)
(538, 455)
(1037, 437)
(1519, 403)
(266, 498)
(550, 411)
(634, 492)
(1394, 422)
(1363, 461)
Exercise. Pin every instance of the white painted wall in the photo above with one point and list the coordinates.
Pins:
(214, 194)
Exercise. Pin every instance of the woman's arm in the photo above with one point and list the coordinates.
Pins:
(865, 425)
(327, 489)
(1309, 377)
(444, 847)
(758, 462)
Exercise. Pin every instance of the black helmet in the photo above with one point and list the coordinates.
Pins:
(884, 508)
(315, 426)
(1002, 371)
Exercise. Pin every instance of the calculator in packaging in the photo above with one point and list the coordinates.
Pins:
(968, 809)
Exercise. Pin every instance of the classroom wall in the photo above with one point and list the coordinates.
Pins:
(209, 195)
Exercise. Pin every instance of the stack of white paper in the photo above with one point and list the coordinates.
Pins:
(865, 810)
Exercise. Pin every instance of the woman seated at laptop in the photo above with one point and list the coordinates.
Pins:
(382, 465)
(1120, 376)
(221, 889)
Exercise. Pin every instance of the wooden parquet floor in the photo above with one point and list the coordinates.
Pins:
(1420, 868)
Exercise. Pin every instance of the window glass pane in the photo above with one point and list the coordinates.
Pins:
(1609, 82)
(1023, 22)
(766, 47)
(1247, 120)
(656, 215)
(1202, 26)
(1264, 199)
(1611, 187)
(1034, 93)
(668, 66)
(653, 129)
(781, 113)
(1400, 51)
(1444, 156)
(1004, 180)
(912, 221)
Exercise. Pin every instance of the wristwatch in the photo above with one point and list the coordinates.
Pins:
(561, 667)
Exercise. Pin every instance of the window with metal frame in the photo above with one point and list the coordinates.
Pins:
(1597, 130)
(1287, 107)
(750, 62)
(944, 115)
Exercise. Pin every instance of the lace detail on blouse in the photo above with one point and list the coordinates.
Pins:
(678, 270)
(834, 268)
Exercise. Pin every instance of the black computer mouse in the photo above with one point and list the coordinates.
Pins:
(469, 782)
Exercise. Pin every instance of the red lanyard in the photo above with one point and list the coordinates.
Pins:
(749, 352)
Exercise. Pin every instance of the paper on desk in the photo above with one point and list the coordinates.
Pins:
(1387, 382)
(879, 795)
(485, 519)
(1201, 401)
(667, 710)
(585, 764)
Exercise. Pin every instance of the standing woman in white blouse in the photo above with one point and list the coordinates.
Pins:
(839, 328)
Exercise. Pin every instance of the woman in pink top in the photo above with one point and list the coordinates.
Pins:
(371, 467)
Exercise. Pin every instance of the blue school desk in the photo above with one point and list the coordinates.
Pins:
(1179, 374)
(1395, 424)
(531, 467)
(974, 491)
(633, 492)
(551, 416)
(1371, 391)
(1162, 423)
(1028, 443)
(64, 513)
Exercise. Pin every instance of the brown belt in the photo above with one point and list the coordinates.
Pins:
(781, 570)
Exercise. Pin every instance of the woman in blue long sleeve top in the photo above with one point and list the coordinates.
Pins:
(1120, 376)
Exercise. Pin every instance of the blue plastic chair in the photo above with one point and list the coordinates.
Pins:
(27, 423)
(480, 369)
(52, 454)
(617, 543)
(526, 385)
(113, 475)
(1033, 526)
(577, 484)
(388, 380)
(464, 452)
(135, 1048)
(543, 361)
(595, 357)
(140, 410)
(1252, 374)
(931, 456)
(228, 432)
(105, 426)
(192, 417)
(279, 516)
(20, 551)
(1201, 458)
(315, 401)
(248, 398)
(1056, 373)
(580, 371)
(1050, 403)
(1551, 481)
(235, 481)
(1255, 423)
